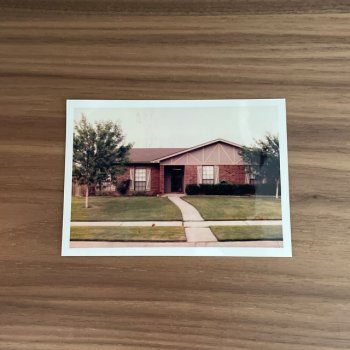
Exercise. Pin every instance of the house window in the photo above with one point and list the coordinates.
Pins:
(140, 179)
(208, 174)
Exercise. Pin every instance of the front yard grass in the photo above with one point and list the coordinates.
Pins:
(248, 233)
(236, 208)
(125, 209)
(128, 234)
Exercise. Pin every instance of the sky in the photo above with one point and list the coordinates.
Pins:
(187, 127)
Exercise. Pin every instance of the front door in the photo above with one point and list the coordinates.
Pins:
(177, 180)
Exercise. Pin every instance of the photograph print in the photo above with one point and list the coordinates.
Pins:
(176, 178)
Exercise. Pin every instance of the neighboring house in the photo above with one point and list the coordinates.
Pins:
(166, 170)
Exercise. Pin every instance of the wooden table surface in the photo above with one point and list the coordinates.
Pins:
(54, 50)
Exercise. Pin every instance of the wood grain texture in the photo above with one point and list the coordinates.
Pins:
(54, 50)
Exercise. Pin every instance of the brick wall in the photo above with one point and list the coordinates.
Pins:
(190, 175)
(125, 176)
(232, 173)
(161, 179)
(154, 178)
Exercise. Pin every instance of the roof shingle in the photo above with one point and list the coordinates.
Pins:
(146, 155)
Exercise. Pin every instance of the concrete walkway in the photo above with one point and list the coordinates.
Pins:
(188, 211)
(198, 231)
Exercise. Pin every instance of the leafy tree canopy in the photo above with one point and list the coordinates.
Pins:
(99, 152)
(263, 160)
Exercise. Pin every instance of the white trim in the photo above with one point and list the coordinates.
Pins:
(148, 179)
(132, 178)
(286, 251)
(216, 174)
(199, 174)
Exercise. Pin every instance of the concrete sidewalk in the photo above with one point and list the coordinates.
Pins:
(125, 223)
(178, 223)
(199, 234)
(232, 223)
(103, 244)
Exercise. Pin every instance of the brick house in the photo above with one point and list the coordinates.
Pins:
(165, 170)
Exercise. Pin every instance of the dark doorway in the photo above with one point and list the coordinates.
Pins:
(174, 178)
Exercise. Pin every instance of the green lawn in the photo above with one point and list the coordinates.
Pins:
(248, 233)
(128, 233)
(236, 208)
(124, 209)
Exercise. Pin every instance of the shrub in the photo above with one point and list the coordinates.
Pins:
(123, 187)
(245, 189)
(140, 194)
(221, 189)
(268, 189)
(192, 189)
(206, 189)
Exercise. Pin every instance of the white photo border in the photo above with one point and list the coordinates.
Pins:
(285, 251)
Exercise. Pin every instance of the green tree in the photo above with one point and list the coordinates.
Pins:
(263, 160)
(99, 153)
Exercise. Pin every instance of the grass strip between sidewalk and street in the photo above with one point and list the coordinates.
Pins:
(128, 234)
(248, 233)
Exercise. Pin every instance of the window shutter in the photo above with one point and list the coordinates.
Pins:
(248, 178)
(132, 177)
(216, 174)
(148, 179)
(199, 174)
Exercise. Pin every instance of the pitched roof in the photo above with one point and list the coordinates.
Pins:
(147, 155)
(154, 155)
(199, 146)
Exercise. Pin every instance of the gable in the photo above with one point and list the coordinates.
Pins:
(218, 153)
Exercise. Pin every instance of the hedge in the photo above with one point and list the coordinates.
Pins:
(192, 189)
(231, 189)
(123, 187)
(220, 189)
(268, 189)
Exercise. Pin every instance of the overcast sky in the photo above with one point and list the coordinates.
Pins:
(186, 127)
